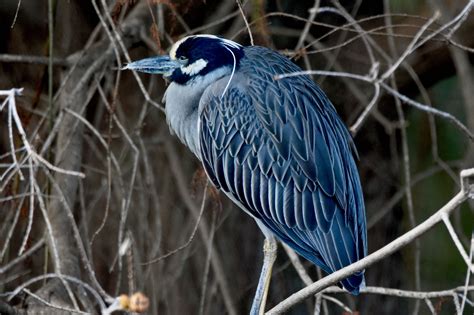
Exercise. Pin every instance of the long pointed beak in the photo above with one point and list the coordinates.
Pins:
(155, 65)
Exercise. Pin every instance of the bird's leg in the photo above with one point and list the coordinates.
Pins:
(269, 257)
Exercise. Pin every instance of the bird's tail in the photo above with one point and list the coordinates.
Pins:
(354, 283)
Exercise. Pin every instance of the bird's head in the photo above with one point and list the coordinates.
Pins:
(192, 57)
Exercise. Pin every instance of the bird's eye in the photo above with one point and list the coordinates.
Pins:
(183, 59)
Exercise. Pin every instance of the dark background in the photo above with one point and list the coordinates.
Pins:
(143, 186)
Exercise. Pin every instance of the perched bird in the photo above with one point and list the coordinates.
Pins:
(275, 147)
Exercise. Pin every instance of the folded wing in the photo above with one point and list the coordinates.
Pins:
(279, 148)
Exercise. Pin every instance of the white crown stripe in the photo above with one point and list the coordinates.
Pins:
(174, 48)
(224, 41)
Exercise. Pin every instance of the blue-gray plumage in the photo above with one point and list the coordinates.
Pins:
(277, 148)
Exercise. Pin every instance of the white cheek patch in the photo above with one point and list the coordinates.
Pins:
(195, 67)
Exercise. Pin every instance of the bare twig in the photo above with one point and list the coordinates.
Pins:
(312, 14)
(16, 13)
(33, 59)
(26, 254)
(457, 242)
(403, 98)
(404, 293)
(295, 260)
(242, 12)
(74, 280)
(190, 239)
(203, 228)
(468, 275)
(58, 307)
(415, 42)
(205, 277)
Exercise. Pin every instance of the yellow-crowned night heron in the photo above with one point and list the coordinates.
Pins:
(277, 148)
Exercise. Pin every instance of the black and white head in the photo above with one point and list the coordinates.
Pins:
(192, 58)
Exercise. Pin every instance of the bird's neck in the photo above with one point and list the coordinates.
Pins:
(182, 108)
(182, 115)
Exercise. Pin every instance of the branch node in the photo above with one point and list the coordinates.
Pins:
(18, 91)
(467, 182)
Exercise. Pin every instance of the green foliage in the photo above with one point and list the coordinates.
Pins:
(405, 6)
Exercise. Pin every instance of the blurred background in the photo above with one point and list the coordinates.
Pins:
(141, 219)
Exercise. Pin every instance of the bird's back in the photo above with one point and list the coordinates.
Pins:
(279, 149)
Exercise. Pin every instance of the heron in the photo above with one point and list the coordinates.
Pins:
(276, 147)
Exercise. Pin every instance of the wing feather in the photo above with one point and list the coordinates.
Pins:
(306, 206)
(300, 224)
(289, 205)
(264, 193)
(279, 203)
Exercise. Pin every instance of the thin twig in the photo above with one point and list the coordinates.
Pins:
(411, 47)
(242, 12)
(458, 243)
(39, 244)
(190, 239)
(312, 15)
(40, 60)
(207, 265)
(216, 263)
(16, 13)
(58, 307)
(410, 294)
(468, 275)
(405, 99)
(296, 262)
(74, 280)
